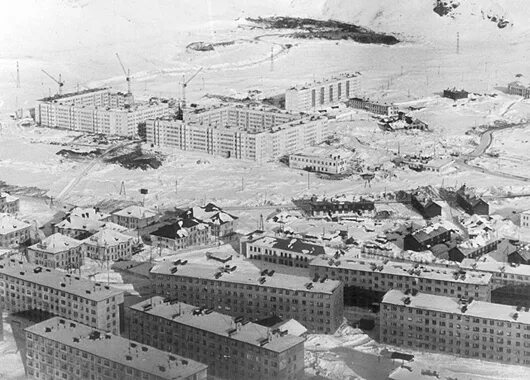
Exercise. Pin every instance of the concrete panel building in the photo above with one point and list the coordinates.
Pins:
(64, 349)
(233, 348)
(382, 276)
(26, 287)
(57, 251)
(252, 293)
(462, 327)
(317, 95)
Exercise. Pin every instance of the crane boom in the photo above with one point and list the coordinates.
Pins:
(185, 84)
(58, 81)
(193, 76)
(127, 74)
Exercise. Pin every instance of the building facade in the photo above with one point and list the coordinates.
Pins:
(57, 251)
(64, 349)
(188, 232)
(373, 107)
(335, 207)
(26, 287)
(9, 204)
(471, 204)
(517, 88)
(108, 244)
(221, 223)
(425, 205)
(525, 219)
(233, 348)
(316, 95)
(134, 217)
(254, 294)
(322, 160)
(13, 232)
(425, 238)
(462, 327)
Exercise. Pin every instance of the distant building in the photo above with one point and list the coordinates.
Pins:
(27, 287)
(423, 239)
(222, 224)
(316, 95)
(108, 244)
(289, 252)
(425, 205)
(442, 165)
(57, 251)
(455, 94)
(470, 202)
(525, 219)
(64, 349)
(81, 227)
(517, 88)
(13, 232)
(320, 159)
(187, 232)
(134, 217)
(233, 348)
(331, 207)
(254, 294)
(372, 106)
(462, 327)
(9, 204)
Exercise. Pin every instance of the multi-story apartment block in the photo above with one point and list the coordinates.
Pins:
(8, 203)
(252, 293)
(221, 223)
(233, 348)
(187, 232)
(382, 276)
(13, 232)
(25, 286)
(321, 159)
(243, 139)
(312, 96)
(63, 349)
(291, 252)
(517, 88)
(373, 107)
(462, 327)
(134, 217)
(97, 111)
(108, 244)
(425, 238)
(57, 251)
(503, 274)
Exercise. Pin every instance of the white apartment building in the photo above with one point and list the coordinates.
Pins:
(476, 329)
(382, 276)
(320, 159)
(25, 286)
(64, 349)
(242, 290)
(108, 244)
(233, 348)
(57, 251)
(8, 203)
(244, 138)
(134, 217)
(316, 95)
(97, 111)
(13, 232)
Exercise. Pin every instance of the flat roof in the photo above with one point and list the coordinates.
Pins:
(217, 323)
(405, 269)
(496, 267)
(56, 243)
(10, 224)
(247, 276)
(116, 349)
(57, 279)
(292, 245)
(71, 94)
(451, 305)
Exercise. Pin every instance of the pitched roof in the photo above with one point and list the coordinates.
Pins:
(134, 211)
(10, 224)
(293, 245)
(179, 229)
(56, 243)
(107, 237)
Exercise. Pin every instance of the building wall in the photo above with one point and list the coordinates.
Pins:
(195, 237)
(323, 164)
(133, 223)
(112, 252)
(517, 89)
(525, 220)
(277, 256)
(14, 238)
(9, 207)
(67, 259)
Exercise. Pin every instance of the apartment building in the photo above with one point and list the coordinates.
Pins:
(233, 348)
(97, 111)
(503, 274)
(57, 251)
(187, 232)
(245, 290)
(64, 349)
(81, 227)
(329, 91)
(222, 224)
(13, 232)
(525, 219)
(321, 159)
(248, 142)
(9, 204)
(290, 252)
(108, 244)
(517, 88)
(134, 217)
(381, 276)
(25, 286)
(462, 327)
(384, 109)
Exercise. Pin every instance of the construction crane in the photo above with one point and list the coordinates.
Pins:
(185, 84)
(127, 75)
(58, 81)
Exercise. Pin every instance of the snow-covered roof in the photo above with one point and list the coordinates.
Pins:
(292, 245)
(10, 224)
(293, 327)
(88, 213)
(107, 237)
(498, 268)
(137, 212)
(56, 243)
(8, 198)
(323, 152)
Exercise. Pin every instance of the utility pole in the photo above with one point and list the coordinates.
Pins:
(457, 42)
(18, 76)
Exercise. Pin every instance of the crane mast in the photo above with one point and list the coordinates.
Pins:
(58, 81)
(185, 84)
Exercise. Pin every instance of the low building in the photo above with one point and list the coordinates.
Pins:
(57, 251)
(439, 165)
(335, 207)
(239, 289)
(521, 256)
(473, 248)
(64, 349)
(13, 232)
(373, 107)
(27, 287)
(222, 224)
(290, 252)
(187, 232)
(525, 219)
(381, 276)
(233, 348)
(455, 94)
(462, 327)
(517, 88)
(321, 159)
(134, 217)
(109, 245)
(424, 204)
(424, 238)
(471, 204)
(9, 204)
